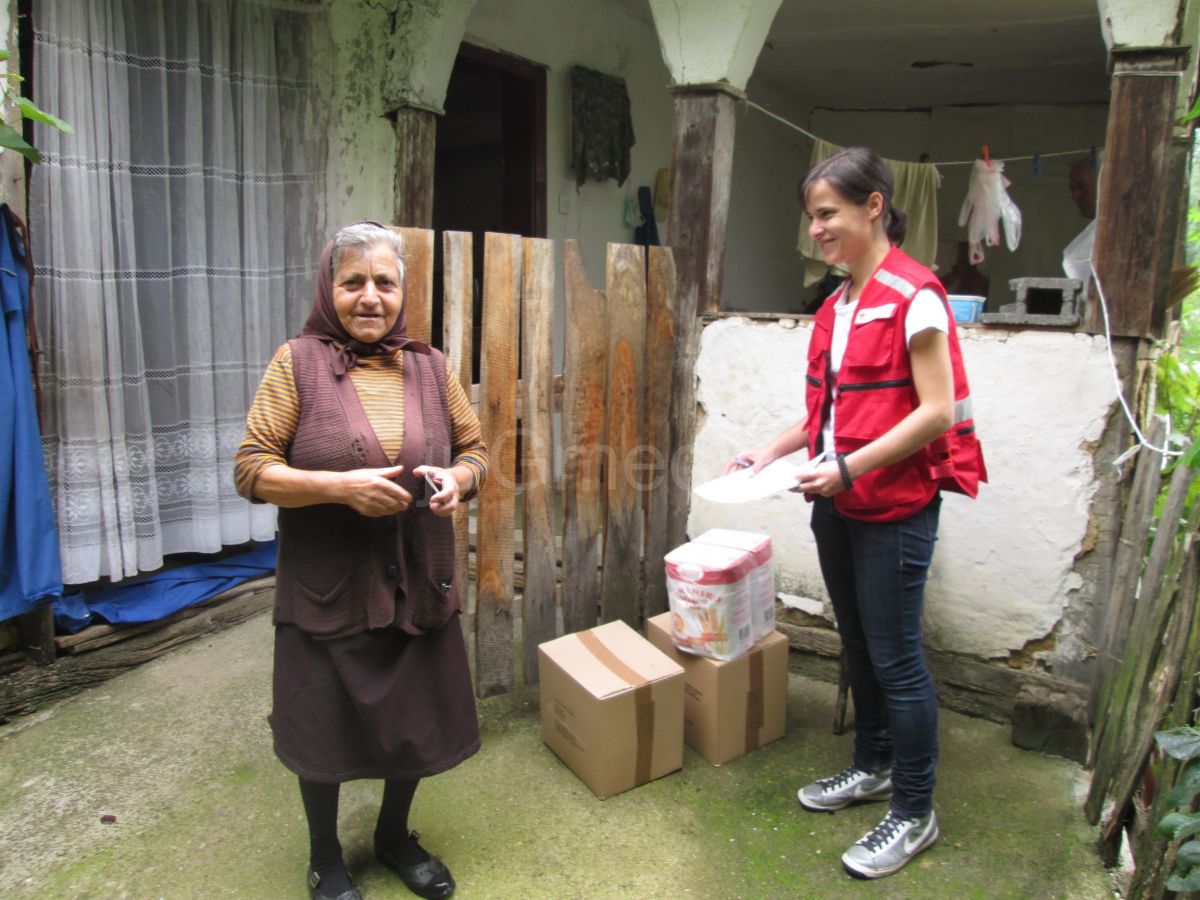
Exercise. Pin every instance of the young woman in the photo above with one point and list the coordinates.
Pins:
(889, 413)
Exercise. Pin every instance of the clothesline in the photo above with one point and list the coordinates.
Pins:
(965, 162)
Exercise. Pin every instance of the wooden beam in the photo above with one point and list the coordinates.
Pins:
(418, 282)
(416, 133)
(701, 173)
(457, 338)
(537, 446)
(964, 685)
(582, 436)
(625, 281)
(31, 688)
(494, 588)
(660, 354)
(1140, 189)
(36, 629)
(1117, 590)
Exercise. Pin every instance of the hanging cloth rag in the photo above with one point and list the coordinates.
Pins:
(30, 567)
(914, 192)
(601, 126)
(986, 205)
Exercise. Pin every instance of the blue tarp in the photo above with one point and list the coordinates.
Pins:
(152, 597)
(30, 566)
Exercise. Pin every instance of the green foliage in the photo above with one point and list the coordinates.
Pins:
(1182, 822)
(1193, 113)
(1178, 374)
(10, 138)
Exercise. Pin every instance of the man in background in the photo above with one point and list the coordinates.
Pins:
(1077, 257)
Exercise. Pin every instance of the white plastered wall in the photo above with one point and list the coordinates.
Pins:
(1003, 570)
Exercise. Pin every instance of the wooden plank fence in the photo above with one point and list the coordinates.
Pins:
(1150, 653)
(613, 441)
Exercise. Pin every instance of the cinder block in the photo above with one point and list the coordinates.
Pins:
(1041, 301)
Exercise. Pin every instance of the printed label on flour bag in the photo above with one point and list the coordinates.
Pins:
(708, 589)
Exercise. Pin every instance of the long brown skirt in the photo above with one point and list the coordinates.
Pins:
(381, 704)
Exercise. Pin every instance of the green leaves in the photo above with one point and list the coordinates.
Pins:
(1186, 788)
(11, 139)
(1181, 743)
(1193, 113)
(1176, 826)
(29, 111)
(1183, 883)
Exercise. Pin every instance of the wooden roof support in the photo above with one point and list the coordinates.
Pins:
(1141, 187)
(416, 135)
(701, 174)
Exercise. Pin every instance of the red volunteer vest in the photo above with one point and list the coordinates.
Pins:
(874, 391)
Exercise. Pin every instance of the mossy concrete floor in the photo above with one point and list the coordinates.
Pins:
(179, 752)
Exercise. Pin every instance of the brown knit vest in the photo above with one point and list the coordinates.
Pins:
(340, 572)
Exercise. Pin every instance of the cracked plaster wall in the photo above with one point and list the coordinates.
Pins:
(1004, 571)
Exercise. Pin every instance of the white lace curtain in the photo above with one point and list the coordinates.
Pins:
(174, 238)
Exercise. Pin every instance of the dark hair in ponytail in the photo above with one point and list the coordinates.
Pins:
(856, 173)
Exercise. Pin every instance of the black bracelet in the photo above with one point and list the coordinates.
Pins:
(845, 470)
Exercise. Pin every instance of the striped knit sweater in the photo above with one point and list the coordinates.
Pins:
(379, 383)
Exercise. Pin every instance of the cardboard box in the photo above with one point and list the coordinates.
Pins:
(730, 706)
(612, 707)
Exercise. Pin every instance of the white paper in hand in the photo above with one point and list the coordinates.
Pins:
(742, 487)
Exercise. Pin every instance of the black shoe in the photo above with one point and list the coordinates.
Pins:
(315, 892)
(429, 878)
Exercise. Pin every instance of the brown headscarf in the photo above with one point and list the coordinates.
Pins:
(324, 325)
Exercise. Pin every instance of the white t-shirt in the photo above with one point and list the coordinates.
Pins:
(926, 311)
(1077, 257)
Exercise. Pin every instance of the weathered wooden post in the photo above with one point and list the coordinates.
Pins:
(710, 47)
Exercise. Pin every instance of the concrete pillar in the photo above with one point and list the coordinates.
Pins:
(421, 54)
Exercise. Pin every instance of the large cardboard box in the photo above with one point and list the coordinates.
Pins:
(730, 706)
(612, 707)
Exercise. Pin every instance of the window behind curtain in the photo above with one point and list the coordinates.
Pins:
(174, 237)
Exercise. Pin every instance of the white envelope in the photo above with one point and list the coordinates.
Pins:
(742, 487)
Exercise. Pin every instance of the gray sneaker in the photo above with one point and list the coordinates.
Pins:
(889, 846)
(840, 790)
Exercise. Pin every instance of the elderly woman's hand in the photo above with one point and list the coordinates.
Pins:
(445, 501)
(372, 492)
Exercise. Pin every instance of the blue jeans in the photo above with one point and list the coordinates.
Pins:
(875, 574)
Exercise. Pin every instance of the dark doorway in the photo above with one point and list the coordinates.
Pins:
(490, 169)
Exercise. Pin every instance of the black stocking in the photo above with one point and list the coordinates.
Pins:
(391, 831)
(325, 852)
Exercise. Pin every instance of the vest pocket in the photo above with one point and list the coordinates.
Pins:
(434, 600)
(865, 410)
(324, 610)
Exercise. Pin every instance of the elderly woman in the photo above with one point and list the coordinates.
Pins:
(367, 444)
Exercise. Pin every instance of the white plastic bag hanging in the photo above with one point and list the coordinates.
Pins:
(987, 205)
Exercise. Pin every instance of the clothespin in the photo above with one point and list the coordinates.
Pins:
(986, 157)
(1037, 165)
